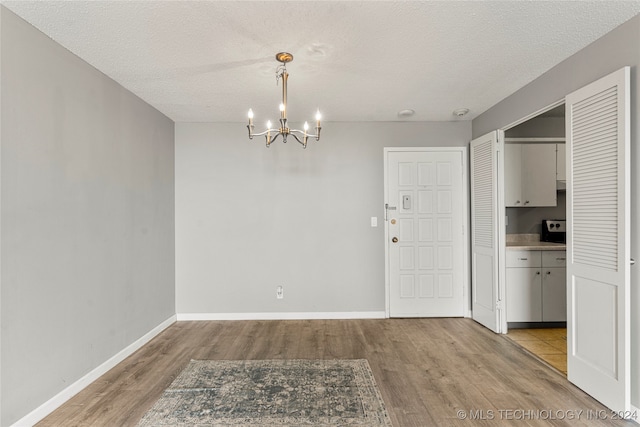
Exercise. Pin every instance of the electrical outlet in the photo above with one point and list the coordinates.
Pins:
(280, 292)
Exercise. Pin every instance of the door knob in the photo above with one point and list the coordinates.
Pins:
(394, 240)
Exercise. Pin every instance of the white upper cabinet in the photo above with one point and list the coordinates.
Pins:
(513, 175)
(561, 162)
(530, 175)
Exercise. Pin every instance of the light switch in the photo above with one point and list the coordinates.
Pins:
(374, 221)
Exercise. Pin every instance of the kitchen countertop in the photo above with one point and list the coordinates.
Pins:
(531, 242)
(536, 246)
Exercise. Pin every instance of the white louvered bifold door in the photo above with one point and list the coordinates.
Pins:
(485, 230)
(598, 215)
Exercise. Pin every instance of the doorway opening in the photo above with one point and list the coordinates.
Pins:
(536, 289)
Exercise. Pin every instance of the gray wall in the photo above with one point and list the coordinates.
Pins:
(249, 218)
(615, 50)
(538, 127)
(529, 220)
(87, 218)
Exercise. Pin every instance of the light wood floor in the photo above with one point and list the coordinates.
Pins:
(427, 371)
(549, 344)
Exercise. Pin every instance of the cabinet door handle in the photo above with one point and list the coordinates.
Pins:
(561, 259)
(548, 272)
(538, 273)
(522, 259)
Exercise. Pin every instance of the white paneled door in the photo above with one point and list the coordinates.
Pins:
(598, 247)
(426, 218)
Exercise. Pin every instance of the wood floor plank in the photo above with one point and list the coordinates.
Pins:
(441, 372)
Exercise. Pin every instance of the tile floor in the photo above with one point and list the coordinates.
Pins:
(549, 344)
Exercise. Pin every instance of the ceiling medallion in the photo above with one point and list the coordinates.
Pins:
(272, 133)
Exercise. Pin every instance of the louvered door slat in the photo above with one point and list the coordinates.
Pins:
(483, 196)
(606, 109)
(603, 125)
(595, 99)
(590, 117)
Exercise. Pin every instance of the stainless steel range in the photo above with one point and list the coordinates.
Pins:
(554, 230)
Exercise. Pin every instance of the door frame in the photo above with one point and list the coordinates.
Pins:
(466, 291)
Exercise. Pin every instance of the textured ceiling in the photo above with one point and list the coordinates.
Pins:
(209, 61)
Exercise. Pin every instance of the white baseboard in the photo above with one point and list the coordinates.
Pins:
(636, 411)
(284, 316)
(55, 402)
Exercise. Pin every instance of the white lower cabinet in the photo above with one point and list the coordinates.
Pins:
(524, 286)
(536, 286)
(524, 295)
(554, 286)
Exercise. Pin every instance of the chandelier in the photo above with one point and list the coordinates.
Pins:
(272, 133)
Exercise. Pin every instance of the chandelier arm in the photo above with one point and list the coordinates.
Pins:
(303, 142)
(268, 140)
(277, 132)
(266, 132)
(293, 131)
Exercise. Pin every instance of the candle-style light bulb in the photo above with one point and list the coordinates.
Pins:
(318, 117)
(281, 107)
(306, 126)
(268, 132)
(250, 115)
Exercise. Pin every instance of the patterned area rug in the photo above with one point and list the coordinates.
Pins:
(264, 393)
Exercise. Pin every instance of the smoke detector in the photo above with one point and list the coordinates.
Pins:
(460, 112)
(406, 113)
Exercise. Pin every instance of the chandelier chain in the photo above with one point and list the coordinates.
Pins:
(280, 71)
